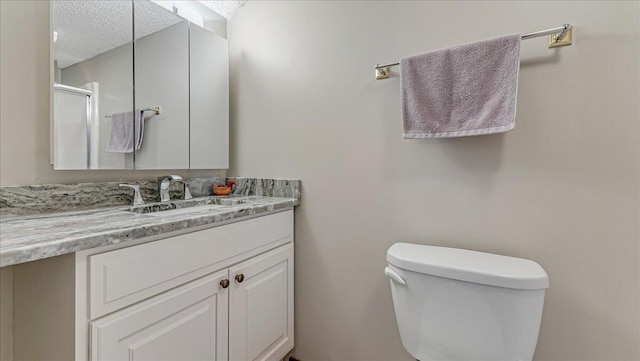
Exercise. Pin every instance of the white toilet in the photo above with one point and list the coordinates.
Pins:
(454, 304)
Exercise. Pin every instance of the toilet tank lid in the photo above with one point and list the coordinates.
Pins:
(470, 266)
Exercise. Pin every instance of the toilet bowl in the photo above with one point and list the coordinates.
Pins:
(454, 304)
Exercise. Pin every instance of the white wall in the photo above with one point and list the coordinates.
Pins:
(562, 188)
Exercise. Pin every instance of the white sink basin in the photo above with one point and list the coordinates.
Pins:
(191, 210)
(196, 205)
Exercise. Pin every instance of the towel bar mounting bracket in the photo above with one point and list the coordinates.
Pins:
(563, 38)
(382, 72)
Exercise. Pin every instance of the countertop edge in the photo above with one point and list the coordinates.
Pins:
(155, 228)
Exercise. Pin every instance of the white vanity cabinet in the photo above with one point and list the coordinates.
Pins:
(222, 293)
(261, 307)
(188, 323)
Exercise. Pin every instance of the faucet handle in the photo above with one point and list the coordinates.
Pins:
(137, 198)
(186, 193)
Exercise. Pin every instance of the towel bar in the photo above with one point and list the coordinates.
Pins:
(156, 110)
(559, 36)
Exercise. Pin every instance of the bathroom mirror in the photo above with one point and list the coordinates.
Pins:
(161, 81)
(209, 99)
(178, 117)
(93, 78)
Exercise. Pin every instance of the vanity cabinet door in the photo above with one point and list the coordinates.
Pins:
(261, 307)
(187, 323)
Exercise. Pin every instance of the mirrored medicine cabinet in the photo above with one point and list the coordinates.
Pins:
(135, 86)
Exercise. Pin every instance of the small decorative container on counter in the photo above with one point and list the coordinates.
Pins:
(224, 190)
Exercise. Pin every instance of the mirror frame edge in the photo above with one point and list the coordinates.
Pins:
(51, 81)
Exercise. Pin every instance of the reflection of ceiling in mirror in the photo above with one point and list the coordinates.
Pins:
(88, 28)
(226, 8)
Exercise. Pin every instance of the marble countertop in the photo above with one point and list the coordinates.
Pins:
(33, 237)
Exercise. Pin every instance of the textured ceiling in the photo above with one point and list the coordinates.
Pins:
(88, 28)
(225, 8)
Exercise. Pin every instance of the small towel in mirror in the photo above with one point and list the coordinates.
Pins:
(122, 136)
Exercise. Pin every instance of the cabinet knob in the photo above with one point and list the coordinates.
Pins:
(224, 283)
(240, 278)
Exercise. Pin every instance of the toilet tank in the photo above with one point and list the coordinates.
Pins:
(463, 305)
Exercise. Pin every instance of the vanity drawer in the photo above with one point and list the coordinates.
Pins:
(122, 277)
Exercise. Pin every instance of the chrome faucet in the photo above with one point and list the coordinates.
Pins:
(163, 186)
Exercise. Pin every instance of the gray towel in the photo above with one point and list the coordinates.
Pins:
(121, 137)
(139, 128)
(465, 90)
